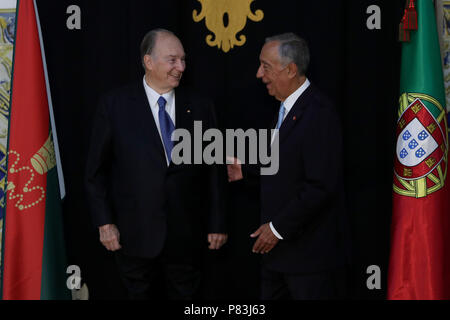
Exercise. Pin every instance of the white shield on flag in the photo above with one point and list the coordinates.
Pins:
(414, 144)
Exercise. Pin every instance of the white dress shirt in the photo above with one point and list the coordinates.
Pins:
(153, 97)
(288, 104)
(291, 100)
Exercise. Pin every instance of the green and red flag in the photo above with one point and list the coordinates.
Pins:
(420, 236)
(34, 251)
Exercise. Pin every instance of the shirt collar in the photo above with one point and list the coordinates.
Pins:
(153, 96)
(290, 101)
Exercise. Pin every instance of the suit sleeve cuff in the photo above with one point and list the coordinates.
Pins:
(275, 231)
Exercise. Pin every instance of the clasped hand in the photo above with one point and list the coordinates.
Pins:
(266, 239)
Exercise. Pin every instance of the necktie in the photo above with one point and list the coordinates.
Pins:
(281, 116)
(167, 127)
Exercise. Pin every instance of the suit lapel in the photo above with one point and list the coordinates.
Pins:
(295, 114)
(183, 114)
(146, 121)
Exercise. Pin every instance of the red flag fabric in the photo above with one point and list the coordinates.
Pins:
(420, 238)
(29, 130)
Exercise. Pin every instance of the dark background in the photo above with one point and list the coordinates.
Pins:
(356, 67)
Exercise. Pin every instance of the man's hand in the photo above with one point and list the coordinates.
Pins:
(216, 240)
(266, 239)
(110, 237)
(234, 169)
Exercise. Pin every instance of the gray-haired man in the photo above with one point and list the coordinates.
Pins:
(156, 216)
(302, 206)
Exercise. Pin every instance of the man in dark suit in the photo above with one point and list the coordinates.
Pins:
(302, 236)
(156, 216)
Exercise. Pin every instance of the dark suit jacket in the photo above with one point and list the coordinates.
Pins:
(305, 199)
(129, 184)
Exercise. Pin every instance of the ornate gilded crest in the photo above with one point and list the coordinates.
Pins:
(225, 18)
(422, 146)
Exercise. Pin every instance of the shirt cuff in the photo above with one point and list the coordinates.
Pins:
(275, 231)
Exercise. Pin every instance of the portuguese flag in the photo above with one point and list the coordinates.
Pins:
(34, 252)
(420, 231)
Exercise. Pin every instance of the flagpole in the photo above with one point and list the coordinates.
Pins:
(62, 188)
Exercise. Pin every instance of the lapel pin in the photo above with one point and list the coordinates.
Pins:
(294, 118)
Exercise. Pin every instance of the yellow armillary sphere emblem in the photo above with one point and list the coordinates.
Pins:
(421, 158)
(225, 18)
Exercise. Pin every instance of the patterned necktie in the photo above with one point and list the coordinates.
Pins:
(280, 116)
(167, 127)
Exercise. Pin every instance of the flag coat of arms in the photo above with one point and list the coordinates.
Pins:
(421, 142)
(420, 238)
